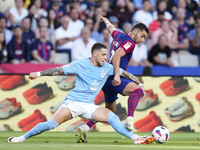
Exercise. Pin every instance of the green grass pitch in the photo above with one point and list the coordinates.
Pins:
(97, 141)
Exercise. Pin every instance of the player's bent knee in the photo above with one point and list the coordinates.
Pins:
(130, 87)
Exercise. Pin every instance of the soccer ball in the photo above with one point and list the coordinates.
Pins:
(161, 134)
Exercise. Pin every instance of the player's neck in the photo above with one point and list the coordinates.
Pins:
(131, 35)
(93, 62)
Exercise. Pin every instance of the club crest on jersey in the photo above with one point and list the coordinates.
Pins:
(102, 73)
(67, 65)
(127, 45)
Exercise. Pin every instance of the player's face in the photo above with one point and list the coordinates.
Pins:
(18, 32)
(101, 56)
(140, 36)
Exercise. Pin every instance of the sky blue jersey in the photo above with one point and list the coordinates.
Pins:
(89, 79)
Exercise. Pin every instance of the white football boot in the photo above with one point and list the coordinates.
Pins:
(83, 129)
(16, 139)
(128, 123)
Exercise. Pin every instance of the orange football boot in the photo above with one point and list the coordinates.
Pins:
(169, 82)
(34, 90)
(40, 96)
(29, 119)
(4, 77)
(177, 88)
(12, 82)
(156, 121)
(40, 118)
(145, 120)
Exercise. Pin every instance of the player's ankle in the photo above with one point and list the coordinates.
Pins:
(130, 117)
(86, 127)
(134, 137)
(22, 138)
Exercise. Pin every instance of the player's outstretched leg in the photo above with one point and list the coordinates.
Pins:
(115, 122)
(39, 128)
(132, 104)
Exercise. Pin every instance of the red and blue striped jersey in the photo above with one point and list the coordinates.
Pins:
(44, 49)
(124, 41)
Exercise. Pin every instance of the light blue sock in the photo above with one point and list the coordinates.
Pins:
(40, 127)
(114, 121)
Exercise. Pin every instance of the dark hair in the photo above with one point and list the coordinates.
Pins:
(4, 19)
(41, 19)
(160, 1)
(147, 71)
(197, 17)
(141, 26)
(55, 22)
(22, 0)
(16, 26)
(145, 1)
(26, 18)
(97, 47)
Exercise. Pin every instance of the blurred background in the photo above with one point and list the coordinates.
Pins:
(39, 34)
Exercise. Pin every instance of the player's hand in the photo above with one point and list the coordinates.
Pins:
(116, 81)
(104, 19)
(33, 75)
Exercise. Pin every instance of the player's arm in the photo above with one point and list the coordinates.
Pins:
(48, 72)
(130, 76)
(109, 26)
(116, 63)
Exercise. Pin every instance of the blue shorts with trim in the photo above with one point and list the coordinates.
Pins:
(110, 91)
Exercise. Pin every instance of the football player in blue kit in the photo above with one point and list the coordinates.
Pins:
(121, 51)
(91, 74)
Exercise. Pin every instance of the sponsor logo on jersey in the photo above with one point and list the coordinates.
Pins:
(102, 73)
(94, 85)
(127, 45)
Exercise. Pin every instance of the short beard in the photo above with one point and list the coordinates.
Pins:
(98, 64)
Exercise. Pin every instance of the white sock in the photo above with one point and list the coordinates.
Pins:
(134, 137)
(86, 127)
(130, 117)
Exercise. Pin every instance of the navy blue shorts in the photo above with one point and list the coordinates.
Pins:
(111, 91)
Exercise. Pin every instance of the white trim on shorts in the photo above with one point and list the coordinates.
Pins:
(83, 110)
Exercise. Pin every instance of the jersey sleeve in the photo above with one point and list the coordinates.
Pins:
(112, 71)
(115, 33)
(128, 46)
(71, 67)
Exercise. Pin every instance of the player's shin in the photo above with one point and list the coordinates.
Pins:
(116, 124)
(133, 101)
(90, 123)
(41, 127)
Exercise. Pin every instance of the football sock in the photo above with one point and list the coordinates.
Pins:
(90, 123)
(114, 121)
(133, 101)
(40, 127)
